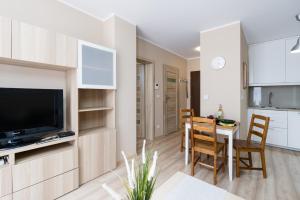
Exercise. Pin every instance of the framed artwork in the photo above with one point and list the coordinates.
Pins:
(245, 76)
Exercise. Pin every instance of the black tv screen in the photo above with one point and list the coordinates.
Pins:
(30, 111)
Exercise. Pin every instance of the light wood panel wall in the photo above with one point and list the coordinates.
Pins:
(7, 197)
(5, 37)
(35, 44)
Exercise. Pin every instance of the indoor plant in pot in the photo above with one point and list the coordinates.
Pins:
(141, 178)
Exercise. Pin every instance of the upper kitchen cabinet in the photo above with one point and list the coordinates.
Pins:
(5, 37)
(251, 64)
(267, 61)
(35, 44)
(292, 62)
(96, 66)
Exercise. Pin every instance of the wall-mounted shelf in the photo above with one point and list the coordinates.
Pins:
(94, 109)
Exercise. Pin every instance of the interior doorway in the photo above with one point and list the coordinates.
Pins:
(144, 101)
(171, 99)
(195, 92)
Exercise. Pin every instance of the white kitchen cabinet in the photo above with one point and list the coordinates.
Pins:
(277, 133)
(277, 136)
(293, 129)
(268, 62)
(292, 62)
(251, 64)
(5, 37)
(35, 44)
(96, 66)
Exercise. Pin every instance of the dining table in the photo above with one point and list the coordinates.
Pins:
(230, 132)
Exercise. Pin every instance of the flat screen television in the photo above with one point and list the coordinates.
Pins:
(28, 115)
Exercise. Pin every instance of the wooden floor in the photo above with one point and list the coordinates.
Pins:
(283, 168)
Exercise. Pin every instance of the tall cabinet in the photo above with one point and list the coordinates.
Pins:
(96, 110)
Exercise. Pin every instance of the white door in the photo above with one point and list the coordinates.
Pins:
(292, 62)
(268, 60)
(170, 99)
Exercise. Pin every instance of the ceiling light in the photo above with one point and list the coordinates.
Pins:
(296, 48)
(298, 17)
(197, 48)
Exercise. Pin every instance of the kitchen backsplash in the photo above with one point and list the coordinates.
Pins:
(281, 97)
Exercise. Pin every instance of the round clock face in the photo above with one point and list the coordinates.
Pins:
(218, 63)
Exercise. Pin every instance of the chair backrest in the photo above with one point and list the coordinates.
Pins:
(203, 129)
(185, 115)
(259, 126)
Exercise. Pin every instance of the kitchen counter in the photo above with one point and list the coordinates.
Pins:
(275, 108)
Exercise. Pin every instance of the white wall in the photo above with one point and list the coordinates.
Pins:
(125, 43)
(224, 86)
(160, 57)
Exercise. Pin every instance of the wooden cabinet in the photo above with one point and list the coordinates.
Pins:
(292, 62)
(96, 66)
(51, 188)
(293, 129)
(5, 37)
(5, 181)
(35, 44)
(267, 60)
(7, 197)
(97, 153)
(39, 165)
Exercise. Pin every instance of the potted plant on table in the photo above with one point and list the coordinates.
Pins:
(140, 180)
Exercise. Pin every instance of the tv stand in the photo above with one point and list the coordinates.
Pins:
(40, 165)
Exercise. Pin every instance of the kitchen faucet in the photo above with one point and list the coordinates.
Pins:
(270, 96)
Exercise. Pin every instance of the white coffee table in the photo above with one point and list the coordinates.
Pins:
(182, 186)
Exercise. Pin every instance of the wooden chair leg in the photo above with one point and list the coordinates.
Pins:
(263, 163)
(237, 162)
(192, 163)
(223, 159)
(226, 156)
(250, 159)
(181, 146)
(215, 169)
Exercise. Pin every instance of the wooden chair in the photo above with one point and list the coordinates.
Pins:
(185, 115)
(259, 126)
(204, 140)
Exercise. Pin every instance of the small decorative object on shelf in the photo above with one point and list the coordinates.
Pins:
(220, 113)
(141, 180)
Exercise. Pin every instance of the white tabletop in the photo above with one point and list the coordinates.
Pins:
(182, 186)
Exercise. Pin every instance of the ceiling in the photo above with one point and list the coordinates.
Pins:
(175, 24)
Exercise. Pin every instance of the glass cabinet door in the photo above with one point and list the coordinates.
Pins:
(97, 66)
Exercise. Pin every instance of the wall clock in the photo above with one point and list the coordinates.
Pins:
(218, 63)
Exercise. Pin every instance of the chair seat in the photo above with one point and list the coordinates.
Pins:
(243, 144)
(208, 146)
